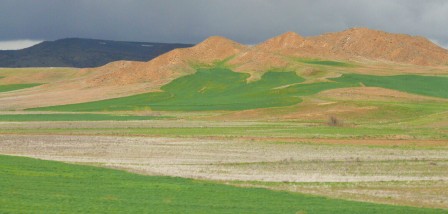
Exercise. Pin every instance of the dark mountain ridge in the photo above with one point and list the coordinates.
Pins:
(83, 53)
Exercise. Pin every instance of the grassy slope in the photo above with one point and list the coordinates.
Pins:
(222, 89)
(435, 86)
(13, 87)
(72, 117)
(213, 89)
(30, 185)
(324, 62)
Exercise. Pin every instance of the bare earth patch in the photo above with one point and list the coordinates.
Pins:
(373, 93)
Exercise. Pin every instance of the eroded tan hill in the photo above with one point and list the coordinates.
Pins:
(356, 44)
(166, 67)
(359, 43)
(122, 78)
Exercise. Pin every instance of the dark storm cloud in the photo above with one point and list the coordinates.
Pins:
(246, 21)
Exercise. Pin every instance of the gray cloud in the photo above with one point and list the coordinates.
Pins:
(246, 21)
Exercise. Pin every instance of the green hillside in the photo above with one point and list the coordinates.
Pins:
(222, 89)
(13, 87)
(38, 186)
(213, 89)
(435, 86)
(325, 62)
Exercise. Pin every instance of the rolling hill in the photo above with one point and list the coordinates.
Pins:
(221, 74)
(358, 45)
(82, 53)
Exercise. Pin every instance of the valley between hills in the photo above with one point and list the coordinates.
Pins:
(356, 119)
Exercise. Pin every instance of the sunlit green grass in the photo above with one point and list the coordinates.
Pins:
(325, 62)
(213, 89)
(436, 86)
(219, 88)
(73, 117)
(13, 87)
(255, 131)
(37, 186)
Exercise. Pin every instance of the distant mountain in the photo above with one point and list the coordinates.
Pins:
(83, 53)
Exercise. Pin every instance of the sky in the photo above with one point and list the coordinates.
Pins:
(191, 21)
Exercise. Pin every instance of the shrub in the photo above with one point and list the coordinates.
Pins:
(334, 121)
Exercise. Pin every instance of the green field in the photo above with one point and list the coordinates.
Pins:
(221, 89)
(13, 87)
(73, 117)
(435, 86)
(37, 186)
(207, 89)
(213, 89)
(325, 62)
(387, 149)
(283, 130)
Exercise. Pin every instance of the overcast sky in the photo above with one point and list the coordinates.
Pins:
(190, 21)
